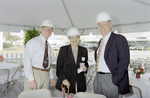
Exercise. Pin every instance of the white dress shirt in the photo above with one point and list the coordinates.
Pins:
(102, 67)
(34, 55)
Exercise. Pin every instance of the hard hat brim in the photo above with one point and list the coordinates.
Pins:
(98, 21)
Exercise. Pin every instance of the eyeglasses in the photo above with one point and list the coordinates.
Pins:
(74, 38)
(48, 29)
(102, 24)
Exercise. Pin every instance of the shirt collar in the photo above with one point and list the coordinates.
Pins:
(107, 37)
(43, 39)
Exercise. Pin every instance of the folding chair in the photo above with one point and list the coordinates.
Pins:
(133, 66)
(138, 61)
(134, 91)
(4, 82)
(88, 95)
(14, 79)
(147, 64)
(148, 58)
(90, 74)
(147, 69)
(141, 59)
(136, 64)
(131, 62)
(39, 93)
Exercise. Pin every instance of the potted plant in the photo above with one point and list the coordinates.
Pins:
(138, 70)
(31, 33)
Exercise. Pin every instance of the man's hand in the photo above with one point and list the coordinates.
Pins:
(53, 82)
(33, 85)
(66, 82)
(84, 69)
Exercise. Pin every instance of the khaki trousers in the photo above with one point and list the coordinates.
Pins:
(41, 77)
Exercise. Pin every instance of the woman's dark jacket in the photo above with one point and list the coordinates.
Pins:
(67, 69)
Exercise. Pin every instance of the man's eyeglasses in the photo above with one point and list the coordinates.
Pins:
(48, 29)
(102, 24)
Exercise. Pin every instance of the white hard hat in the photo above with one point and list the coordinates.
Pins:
(73, 32)
(103, 17)
(47, 23)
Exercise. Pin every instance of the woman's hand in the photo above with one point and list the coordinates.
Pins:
(66, 82)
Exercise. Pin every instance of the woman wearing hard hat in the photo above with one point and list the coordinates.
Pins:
(69, 62)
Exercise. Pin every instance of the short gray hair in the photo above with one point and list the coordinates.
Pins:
(70, 36)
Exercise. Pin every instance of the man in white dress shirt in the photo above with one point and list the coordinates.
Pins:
(37, 76)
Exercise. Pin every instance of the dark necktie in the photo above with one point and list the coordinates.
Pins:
(99, 53)
(45, 61)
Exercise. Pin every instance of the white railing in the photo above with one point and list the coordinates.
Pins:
(13, 57)
(18, 57)
(91, 56)
(54, 56)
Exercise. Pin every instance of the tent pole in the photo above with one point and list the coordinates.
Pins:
(68, 13)
(64, 32)
(82, 31)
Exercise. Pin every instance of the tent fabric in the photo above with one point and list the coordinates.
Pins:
(127, 15)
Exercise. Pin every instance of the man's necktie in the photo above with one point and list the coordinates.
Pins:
(46, 61)
(99, 53)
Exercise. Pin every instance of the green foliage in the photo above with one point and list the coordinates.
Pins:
(6, 45)
(9, 37)
(30, 34)
(79, 43)
(15, 37)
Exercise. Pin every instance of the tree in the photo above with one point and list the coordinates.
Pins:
(7, 36)
(15, 38)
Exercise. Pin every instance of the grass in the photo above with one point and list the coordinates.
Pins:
(17, 50)
(13, 50)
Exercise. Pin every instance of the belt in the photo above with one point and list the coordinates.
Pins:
(102, 73)
(40, 69)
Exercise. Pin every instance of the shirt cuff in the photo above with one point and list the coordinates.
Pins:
(51, 77)
(51, 73)
(30, 78)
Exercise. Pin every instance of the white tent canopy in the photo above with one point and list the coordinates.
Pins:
(128, 15)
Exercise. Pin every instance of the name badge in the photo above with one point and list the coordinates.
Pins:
(83, 58)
